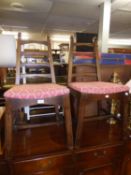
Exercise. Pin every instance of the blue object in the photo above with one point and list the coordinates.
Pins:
(113, 55)
(128, 56)
(112, 61)
(84, 61)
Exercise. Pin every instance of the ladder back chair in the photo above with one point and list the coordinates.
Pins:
(86, 85)
(36, 61)
(23, 95)
(35, 66)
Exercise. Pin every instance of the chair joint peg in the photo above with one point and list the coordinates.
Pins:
(107, 96)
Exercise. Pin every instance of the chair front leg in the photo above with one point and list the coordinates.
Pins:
(80, 120)
(8, 131)
(124, 110)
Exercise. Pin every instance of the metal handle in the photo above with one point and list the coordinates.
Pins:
(100, 154)
(46, 164)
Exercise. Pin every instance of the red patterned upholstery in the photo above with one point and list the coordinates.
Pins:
(36, 91)
(98, 87)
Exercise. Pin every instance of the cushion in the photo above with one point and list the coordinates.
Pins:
(129, 85)
(36, 91)
(98, 87)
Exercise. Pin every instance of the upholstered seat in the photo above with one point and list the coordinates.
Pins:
(36, 91)
(98, 87)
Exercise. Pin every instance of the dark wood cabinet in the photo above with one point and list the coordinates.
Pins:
(126, 164)
(104, 160)
(99, 156)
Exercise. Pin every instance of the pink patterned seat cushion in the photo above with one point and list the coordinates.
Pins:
(98, 87)
(36, 91)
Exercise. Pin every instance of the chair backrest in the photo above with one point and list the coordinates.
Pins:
(29, 59)
(83, 66)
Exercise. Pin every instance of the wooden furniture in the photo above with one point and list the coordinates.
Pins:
(98, 143)
(30, 62)
(40, 150)
(34, 148)
(126, 165)
(3, 166)
(33, 66)
(45, 151)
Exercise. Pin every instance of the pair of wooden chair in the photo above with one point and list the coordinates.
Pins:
(54, 94)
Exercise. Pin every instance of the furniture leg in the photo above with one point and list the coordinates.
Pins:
(8, 132)
(67, 115)
(81, 112)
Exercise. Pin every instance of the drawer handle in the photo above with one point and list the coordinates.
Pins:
(95, 154)
(46, 164)
(100, 154)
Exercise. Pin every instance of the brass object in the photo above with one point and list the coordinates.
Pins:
(129, 120)
(115, 103)
(115, 78)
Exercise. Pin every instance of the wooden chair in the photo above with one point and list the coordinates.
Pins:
(34, 67)
(84, 81)
(24, 95)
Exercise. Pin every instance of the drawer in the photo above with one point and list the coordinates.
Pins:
(41, 164)
(98, 157)
(54, 172)
(3, 168)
